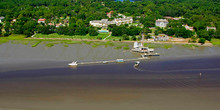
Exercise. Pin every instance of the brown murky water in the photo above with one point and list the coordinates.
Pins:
(38, 79)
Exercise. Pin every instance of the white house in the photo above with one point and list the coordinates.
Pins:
(161, 22)
(188, 27)
(208, 28)
(1, 18)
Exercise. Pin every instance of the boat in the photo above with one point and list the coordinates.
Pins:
(139, 48)
(137, 63)
(105, 62)
(150, 54)
(119, 60)
(73, 63)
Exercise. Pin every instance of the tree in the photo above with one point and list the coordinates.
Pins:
(0, 29)
(93, 31)
(125, 37)
(202, 40)
(204, 34)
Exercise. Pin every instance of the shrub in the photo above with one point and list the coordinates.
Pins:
(202, 40)
(125, 37)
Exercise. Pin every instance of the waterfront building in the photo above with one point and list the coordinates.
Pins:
(161, 37)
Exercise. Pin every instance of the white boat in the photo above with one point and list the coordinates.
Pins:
(73, 64)
(137, 63)
(138, 47)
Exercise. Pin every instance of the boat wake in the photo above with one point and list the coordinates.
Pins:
(176, 70)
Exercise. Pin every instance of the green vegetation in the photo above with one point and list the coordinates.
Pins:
(83, 37)
(215, 42)
(75, 15)
(3, 41)
(126, 48)
(153, 45)
(66, 45)
(202, 40)
(190, 46)
(36, 44)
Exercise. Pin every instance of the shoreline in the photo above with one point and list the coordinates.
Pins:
(157, 42)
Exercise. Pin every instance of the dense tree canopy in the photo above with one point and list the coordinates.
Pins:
(197, 13)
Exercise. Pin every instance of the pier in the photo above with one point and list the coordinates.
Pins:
(112, 61)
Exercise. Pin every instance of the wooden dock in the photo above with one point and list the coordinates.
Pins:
(111, 61)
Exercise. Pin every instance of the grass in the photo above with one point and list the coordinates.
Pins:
(3, 41)
(152, 45)
(71, 42)
(190, 45)
(36, 43)
(66, 45)
(215, 42)
(50, 44)
(55, 35)
(126, 48)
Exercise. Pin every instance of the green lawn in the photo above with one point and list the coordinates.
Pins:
(55, 35)
(215, 41)
(20, 39)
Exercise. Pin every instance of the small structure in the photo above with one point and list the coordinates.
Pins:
(161, 37)
(168, 17)
(109, 14)
(188, 27)
(161, 22)
(138, 47)
(14, 20)
(58, 25)
(41, 20)
(178, 18)
(209, 28)
(1, 19)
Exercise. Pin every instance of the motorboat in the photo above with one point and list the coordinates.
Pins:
(73, 63)
(137, 63)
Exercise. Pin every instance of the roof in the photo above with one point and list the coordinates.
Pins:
(41, 19)
(211, 27)
(161, 20)
(2, 17)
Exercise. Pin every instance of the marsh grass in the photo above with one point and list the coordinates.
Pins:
(34, 45)
(215, 42)
(65, 45)
(190, 46)
(152, 45)
(2, 41)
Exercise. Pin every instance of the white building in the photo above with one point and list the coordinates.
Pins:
(161, 22)
(208, 28)
(126, 20)
(1, 19)
(161, 37)
(105, 22)
(188, 27)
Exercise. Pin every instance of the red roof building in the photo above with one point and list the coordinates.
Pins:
(41, 20)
